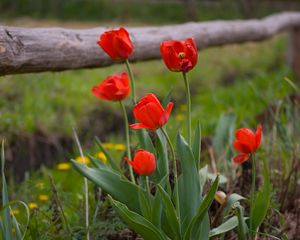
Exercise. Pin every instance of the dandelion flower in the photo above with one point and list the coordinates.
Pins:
(32, 205)
(83, 160)
(120, 147)
(43, 197)
(63, 166)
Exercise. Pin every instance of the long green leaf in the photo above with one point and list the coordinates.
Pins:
(5, 201)
(230, 224)
(96, 162)
(197, 145)
(242, 226)
(145, 204)
(107, 155)
(202, 210)
(138, 223)
(223, 132)
(156, 210)
(112, 183)
(262, 202)
(231, 200)
(170, 212)
(145, 140)
(162, 162)
(189, 185)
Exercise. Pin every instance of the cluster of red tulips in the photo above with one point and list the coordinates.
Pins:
(179, 56)
(185, 208)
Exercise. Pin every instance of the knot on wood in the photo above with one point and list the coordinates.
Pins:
(2, 49)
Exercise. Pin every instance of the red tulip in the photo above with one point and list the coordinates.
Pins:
(143, 163)
(116, 43)
(113, 88)
(179, 56)
(246, 143)
(150, 113)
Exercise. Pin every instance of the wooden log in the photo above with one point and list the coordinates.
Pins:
(294, 51)
(24, 50)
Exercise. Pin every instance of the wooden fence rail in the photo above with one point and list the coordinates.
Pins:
(25, 50)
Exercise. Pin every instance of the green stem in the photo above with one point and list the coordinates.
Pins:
(127, 140)
(175, 170)
(252, 195)
(148, 188)
(188, 101)
(131, 81)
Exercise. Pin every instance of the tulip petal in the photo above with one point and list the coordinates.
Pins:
(246, 136)
(169, 108)
(166, 114)
(152, 98)
(241, 158)
(105, 43)
(139, 126)
(258, 136)
(242, 147)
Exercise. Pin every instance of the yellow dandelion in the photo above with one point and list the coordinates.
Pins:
(32, 205)
(40, 185)
(183, 108)
(63, 166)
(43, 197)
(101, 156)
(108, 145)
(179, 117)
(83, 160)
(120, 147)
(14, 212)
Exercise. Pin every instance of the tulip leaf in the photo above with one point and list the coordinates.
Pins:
(107, 155)
(189, 184)
(200, 213)
(145, 140)
(137, 222)
(230, 224)
(197, 145)
(170, 212)
(242, 226)
(95, 161)
(7, 224)
(203, 172)
(231, 200)
(261, 202)
(145, 204)
(156, 210)
(167, 99)
(162, 162)
(157, 203)
(112, 183)
(224, 133)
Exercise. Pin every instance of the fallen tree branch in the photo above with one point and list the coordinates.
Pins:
(24, 50)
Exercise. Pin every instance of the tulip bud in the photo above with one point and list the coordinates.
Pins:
(116, 43)
(150, 113)
(143, 163)
(220, 197)
(114, 88)
(246, 143)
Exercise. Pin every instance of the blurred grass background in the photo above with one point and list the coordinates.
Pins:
(149, 11)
